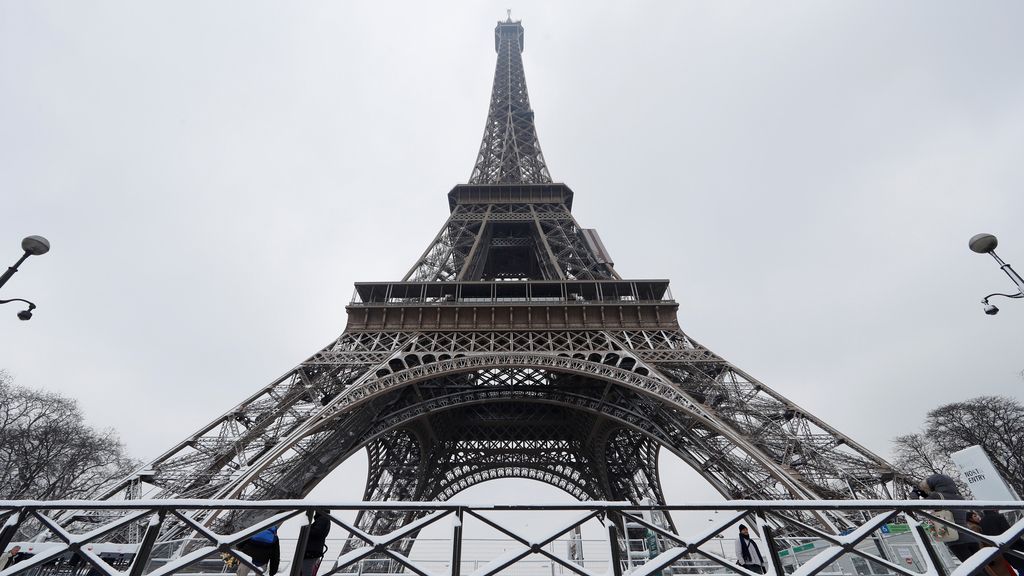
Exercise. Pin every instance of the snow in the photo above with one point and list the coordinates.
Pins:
(660, 561)
(587, 505)
(819, 561)
(502, 559)
(176, 565)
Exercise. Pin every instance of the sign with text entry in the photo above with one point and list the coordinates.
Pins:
(981, 476)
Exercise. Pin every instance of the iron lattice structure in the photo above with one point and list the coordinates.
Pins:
(510, 152)
(512, 348)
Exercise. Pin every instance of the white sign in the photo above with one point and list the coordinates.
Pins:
(981, 476)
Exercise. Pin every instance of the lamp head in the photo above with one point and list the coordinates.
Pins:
(983, 243)
(25, 314)
(35, 245)
(989, 308)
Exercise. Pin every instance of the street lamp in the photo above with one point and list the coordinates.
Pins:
(33, 246)
(24, 314)
(986, 244)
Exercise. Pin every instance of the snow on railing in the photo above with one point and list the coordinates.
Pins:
(204, 536)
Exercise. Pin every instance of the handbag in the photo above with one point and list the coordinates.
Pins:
(941, 532)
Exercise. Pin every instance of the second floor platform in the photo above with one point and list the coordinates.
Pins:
(528, 305)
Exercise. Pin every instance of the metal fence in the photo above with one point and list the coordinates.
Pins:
(133, 538)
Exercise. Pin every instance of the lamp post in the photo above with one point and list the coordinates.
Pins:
(33, 246)
(986, 244)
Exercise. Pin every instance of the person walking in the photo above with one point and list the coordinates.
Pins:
(263, 547)
(998, 566)
(993, 524)
(942, 487)
(316, 543)
(10, 557)
(747, 554)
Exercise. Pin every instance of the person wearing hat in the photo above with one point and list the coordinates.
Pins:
(747, 554)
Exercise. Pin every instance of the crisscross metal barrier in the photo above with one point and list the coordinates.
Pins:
(137, 538)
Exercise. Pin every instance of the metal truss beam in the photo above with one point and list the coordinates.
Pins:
(748, 426)
(467, 240)
(656, 411)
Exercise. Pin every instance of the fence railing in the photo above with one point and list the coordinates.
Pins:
(134, 538)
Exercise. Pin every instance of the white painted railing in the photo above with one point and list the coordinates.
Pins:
(133, 538)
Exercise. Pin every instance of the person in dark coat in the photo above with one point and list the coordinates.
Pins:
(993, 524)
(942, 487)
(264, 547)
(316, 544)
(10, 557)
(998, 566)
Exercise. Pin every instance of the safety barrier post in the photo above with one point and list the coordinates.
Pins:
(300, 546)
(11, 528)
(146, 547)
(613, 548)
(457, 543)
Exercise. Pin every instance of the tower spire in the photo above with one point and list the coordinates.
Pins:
(510, 152)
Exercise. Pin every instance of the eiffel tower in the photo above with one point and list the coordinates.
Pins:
(513, 349)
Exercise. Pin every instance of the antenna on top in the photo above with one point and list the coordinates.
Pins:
(509, 14)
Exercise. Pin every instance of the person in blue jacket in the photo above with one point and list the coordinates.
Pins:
(263, 547)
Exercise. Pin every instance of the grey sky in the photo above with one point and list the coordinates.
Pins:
(215, 176)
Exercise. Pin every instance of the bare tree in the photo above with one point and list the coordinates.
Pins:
(996, 423)
(47, 451)
(918, 456)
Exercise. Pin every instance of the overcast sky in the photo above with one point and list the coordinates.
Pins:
(215, 176)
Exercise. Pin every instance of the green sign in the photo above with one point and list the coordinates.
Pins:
(896, 528)
(803, 547)
(795, 549)
(651, 541)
